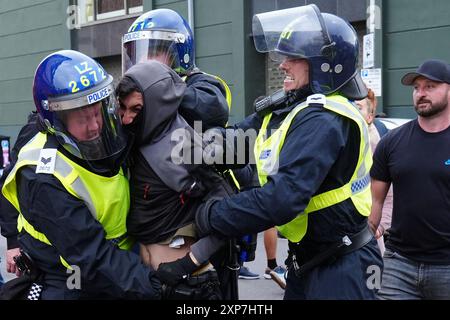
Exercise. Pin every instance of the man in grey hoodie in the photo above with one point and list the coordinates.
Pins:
(166, 188)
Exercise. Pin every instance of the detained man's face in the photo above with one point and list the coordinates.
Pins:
(430, 97)
(296, 73)
(130, 107)
(85, 124)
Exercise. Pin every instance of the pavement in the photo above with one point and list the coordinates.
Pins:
(263, 289)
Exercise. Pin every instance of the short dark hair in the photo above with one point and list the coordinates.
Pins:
(125, 87)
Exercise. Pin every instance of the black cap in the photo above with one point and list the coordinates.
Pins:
(436, 70)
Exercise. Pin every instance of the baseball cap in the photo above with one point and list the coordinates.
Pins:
(436, 70)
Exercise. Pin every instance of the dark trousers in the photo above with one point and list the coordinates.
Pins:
(356, 275)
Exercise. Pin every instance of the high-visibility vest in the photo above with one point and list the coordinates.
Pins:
(108, 198)
(267, 153)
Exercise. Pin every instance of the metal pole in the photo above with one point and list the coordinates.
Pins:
(191, 16)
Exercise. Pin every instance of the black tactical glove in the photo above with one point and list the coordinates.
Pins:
(173, 272)
(205, 286)
(202, 222)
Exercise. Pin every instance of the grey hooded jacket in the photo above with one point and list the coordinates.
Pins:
(165, 187)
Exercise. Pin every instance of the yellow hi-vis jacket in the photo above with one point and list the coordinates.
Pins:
(267, 153)
(108, 198)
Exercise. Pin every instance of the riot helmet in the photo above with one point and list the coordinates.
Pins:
(75, 99)
(161, 35)
(327, 42)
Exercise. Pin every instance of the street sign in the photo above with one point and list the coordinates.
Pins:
(368, 51)
(372, 79)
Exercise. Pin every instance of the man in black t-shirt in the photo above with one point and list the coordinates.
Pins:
(415, 158)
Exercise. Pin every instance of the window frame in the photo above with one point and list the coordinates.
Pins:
(120, 14)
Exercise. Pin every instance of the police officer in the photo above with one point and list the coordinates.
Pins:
(70, 191)
(164, 35)
(313, 158)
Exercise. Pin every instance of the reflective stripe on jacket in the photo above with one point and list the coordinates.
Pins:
(267, 153)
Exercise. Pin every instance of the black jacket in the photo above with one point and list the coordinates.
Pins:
(204, 100)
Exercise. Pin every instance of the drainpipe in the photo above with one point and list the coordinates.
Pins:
(191, 15)
(375, 28)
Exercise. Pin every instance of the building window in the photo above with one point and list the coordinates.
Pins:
(97, 10)
(134, 6)
(110, 8)
(86, 11)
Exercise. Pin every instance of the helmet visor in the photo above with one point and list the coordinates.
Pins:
(151, 45)
(93, 131)
(288, 32)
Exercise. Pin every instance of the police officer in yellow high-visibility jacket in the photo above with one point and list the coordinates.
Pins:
(313, 158)
(70, 191)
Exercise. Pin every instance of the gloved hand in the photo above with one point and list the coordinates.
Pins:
(202, 222)
(172, 273)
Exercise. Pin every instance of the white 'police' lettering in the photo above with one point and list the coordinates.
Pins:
(97, 96)
(133, 36)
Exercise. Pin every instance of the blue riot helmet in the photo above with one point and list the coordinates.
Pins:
(75, 99)
(327, 42)
(162, 35)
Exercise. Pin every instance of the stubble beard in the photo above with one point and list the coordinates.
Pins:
(433, 108)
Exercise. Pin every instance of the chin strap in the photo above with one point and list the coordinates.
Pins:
(298, 95)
